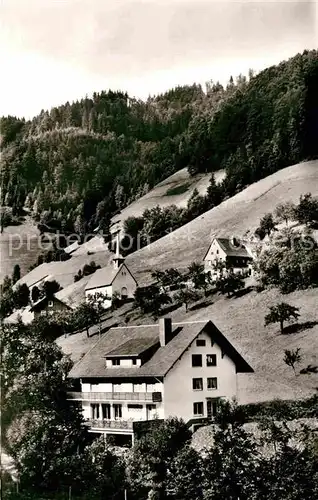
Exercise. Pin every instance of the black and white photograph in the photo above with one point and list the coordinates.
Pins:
(159, 250)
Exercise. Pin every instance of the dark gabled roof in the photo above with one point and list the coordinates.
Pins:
(230, 249)
(45, 299)
(92, 365)
(133, 347)
(71, 296)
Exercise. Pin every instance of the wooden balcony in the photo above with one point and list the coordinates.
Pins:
(115, 396)
(110, 424)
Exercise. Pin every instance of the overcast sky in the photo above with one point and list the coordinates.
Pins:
(59, 50)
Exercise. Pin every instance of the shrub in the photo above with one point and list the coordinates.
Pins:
(282, 409)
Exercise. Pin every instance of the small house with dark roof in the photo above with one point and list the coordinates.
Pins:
(65, 300)
(232, 253)
(139, 373)
(47, 306)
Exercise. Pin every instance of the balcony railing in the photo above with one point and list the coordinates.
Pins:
(110, 424)
(115, 396)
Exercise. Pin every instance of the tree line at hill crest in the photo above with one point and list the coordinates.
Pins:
(79, 163)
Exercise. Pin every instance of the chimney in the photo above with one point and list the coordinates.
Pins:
(234, 241)
(165, 331)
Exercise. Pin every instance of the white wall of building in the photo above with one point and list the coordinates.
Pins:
(123, 283)
(123, 280)
(179, 395)
(125, 362)
(214, 254)
(122, 387)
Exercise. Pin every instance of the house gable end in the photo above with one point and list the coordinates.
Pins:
(242, 366)
(227, 348)
(129, 272)
(215, 243)
(184, 350)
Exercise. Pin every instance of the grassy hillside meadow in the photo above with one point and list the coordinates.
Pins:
(18, 245)
(240, 319)
(175, 190)
(235, 216)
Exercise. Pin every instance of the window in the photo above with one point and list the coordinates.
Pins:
(116, 387)
(211, 360)
(106, 411)
(217, 252)
(197, 409)
(117, 411)
(95, 411)
(196, 359)
(151, 408)
(212, 407)
(197, 384)
(200, 342)
(116, 362)
(134, 361)
(135, 407)
(43, 313)
(212, 383)
(50, 303)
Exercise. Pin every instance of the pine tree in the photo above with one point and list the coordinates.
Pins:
(213, 195)
(16, 274)
(119, 196)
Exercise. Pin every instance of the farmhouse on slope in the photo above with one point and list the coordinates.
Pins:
(230, 252)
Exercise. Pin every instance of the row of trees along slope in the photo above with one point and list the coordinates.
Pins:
(80, 162)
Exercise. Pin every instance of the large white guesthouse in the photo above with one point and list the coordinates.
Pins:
(139, 373)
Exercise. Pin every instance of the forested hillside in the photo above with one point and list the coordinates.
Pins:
(79, 163)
